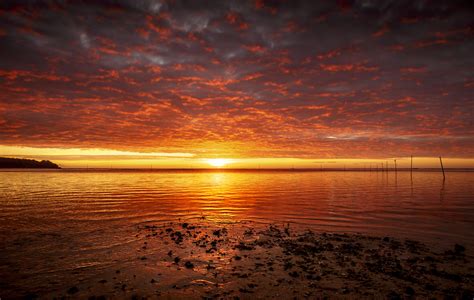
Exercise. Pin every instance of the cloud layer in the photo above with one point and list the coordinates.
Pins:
(236, 78)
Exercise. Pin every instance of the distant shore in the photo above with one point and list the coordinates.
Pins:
(21, 163)
(203, 260)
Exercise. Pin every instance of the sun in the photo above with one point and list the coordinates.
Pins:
(218, 162)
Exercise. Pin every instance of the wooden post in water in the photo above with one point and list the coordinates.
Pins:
(442, 168)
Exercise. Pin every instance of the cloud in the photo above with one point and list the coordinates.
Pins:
(265, 78)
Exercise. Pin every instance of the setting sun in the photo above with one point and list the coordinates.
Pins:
(218, 162)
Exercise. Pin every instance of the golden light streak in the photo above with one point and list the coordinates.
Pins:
(218, 162)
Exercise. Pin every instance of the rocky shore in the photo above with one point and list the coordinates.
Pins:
(205, 261)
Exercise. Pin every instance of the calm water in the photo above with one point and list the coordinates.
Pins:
(54, 223)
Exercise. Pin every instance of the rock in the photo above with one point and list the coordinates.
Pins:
(430, 287)
(184, 225)
(103, 281)
(152, 280)
(393, 296)
(177, 259)
(294, 274)
(189, 265)
(243, 246)
(458, 249)
(73, 290)
(244, 290)
(409, 291)
(219, 232)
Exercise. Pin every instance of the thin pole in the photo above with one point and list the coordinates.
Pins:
(442, 168)
(411, 164)
(395, 165)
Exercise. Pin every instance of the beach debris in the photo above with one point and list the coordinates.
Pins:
(297, 264)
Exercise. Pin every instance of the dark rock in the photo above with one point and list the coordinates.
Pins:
(189, 265)
(430, 287)
(177, 259)
(211, 250)
(185, 225)
(294, 274)
(458, 249)
(243, 246)
(393, 296)
(73, 290)
(467, 295)
(288, 265)
(409, 291)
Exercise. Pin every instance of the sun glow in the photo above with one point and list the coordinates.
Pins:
(218, 162)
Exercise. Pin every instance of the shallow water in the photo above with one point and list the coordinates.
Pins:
(57, 223)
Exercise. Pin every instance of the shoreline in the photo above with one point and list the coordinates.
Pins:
(202, 260)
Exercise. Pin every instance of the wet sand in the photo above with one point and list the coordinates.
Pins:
(203, 260)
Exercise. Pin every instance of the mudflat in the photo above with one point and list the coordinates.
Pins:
(235, 261)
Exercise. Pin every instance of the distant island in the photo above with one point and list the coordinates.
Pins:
(12, 163)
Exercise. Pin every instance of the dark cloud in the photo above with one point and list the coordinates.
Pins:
(270, 78)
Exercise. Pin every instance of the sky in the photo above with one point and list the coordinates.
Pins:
(173, 83)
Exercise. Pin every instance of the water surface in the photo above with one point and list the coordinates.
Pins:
(55, 224)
